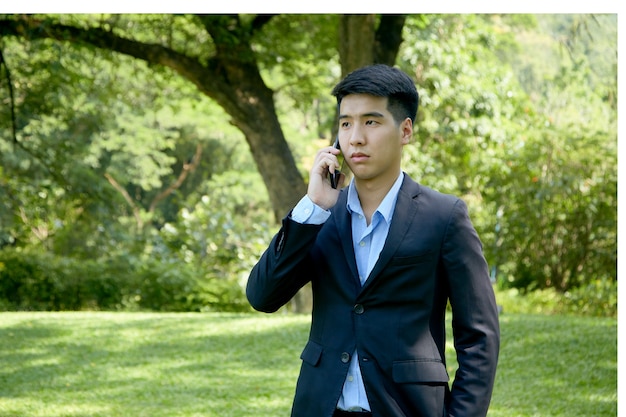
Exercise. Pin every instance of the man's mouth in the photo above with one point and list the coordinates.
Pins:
(358, 157)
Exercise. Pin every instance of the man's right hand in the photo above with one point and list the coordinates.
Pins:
(320, 191)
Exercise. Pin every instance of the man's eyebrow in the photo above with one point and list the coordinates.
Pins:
(362, 116)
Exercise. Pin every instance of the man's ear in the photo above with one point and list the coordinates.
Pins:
(406, 127)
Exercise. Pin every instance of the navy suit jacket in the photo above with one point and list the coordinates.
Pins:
(396, 320)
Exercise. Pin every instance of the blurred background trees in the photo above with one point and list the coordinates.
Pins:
(147, 159)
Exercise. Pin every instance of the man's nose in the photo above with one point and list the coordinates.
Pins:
(357, 135)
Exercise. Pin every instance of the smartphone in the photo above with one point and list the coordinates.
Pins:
(334, 178)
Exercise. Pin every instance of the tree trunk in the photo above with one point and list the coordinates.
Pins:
(356, 41)
(362, 43)
(251, 106)
(388, 38)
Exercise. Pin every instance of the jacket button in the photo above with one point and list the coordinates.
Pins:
(359, 309)
(345, 357)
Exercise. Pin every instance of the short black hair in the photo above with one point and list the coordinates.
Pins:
(382, 81)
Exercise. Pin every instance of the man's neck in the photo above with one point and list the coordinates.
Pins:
(372, 192)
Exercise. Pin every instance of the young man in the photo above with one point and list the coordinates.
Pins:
(384, 255)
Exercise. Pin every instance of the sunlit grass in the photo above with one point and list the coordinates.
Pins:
(556, 366)
(136, 364)
(152, 364)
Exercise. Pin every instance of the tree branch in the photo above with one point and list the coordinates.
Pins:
(187, 169)
(11, 96)
(231, 77)
(32, 28)
(127, 197)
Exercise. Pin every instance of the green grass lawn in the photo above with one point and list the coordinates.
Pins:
(91, 364)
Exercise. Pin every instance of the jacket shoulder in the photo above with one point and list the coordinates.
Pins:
(422, 192)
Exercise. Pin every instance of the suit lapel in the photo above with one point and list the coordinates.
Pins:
(344, 230)
(401, 223)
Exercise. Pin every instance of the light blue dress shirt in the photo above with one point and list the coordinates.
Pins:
(368, 241)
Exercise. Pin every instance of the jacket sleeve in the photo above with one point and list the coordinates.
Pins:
(475, 323)
(284, 267)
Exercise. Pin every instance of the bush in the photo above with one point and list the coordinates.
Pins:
(598, 299)
(22, 278)
(40, 281)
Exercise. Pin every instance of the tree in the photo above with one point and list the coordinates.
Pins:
(222, 56)
(225, 69)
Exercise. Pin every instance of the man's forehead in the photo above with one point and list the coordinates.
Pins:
(358, 105)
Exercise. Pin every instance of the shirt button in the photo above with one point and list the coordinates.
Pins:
(345, 357)
(362, 243)
(359, 309)
(350, 378)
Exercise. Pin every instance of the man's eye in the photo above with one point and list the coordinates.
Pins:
(371, 122)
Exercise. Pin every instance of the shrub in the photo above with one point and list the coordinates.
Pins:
(597, 299)
(32, 280)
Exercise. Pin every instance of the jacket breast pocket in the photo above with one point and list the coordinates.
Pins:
(412, 260)
(312, 353)
(420, 371)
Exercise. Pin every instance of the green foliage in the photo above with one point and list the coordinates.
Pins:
(518, 116)
(43, 178)
(88, 116)
(35, 280)
(301, 76)
(222, 245)
(469, 107)
(595, 299)
(561, 192)
(564, 213)
(538, 167)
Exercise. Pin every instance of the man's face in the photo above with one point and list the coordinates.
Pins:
(371, 140)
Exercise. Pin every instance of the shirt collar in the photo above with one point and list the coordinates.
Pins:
(386, 206)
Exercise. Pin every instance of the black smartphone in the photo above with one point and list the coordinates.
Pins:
(334, 178)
